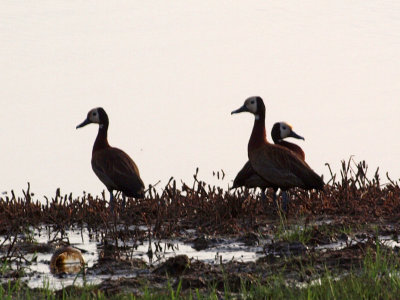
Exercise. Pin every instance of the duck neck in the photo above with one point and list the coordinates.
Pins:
(101, 139)
(275, 139)
(258, 135)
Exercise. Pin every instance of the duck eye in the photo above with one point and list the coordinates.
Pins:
(252, 102)
(94, 114)
(284, 128)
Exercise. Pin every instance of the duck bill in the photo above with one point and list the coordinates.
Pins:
(241, 109)
(84, 123)
(296, 136)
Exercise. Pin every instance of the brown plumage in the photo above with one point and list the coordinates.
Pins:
(111, 165)
(282, 168)
(248, 177)
(277, 165)
(117, 171)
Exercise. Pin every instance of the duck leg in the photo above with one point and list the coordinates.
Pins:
(123, 201)
(285, 201)
(111, 201)
(263, 195)
(274, 198)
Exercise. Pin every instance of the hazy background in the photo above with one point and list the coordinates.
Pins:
(169, 73)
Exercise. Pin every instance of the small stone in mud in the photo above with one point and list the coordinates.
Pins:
(201, 243)
(249, 239)
(174, 266)
(362, 236)
(343, 237)
(285, 248)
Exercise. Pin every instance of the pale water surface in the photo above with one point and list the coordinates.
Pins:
(169, 74)
(223, 249)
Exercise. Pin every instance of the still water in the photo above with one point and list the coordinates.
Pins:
(169, 74)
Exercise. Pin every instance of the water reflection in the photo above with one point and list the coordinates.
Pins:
(66, 262)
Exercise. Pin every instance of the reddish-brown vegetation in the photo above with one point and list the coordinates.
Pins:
(207, 209)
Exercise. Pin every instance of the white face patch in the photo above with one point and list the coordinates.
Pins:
(251, 104)
(286, 129)
(94, 116)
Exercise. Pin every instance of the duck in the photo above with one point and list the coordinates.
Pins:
(249, 178)
(282, 130)
(115, 169)
(276, 164)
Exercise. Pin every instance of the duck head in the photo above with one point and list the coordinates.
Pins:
(254, 105)
(282, 130)
(96, 115)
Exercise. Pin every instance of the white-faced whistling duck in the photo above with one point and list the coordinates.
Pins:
(283, 130)
(249, 178)
(278, 166)
(111, 165)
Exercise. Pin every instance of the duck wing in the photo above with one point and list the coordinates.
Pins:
(293, 147)
(118, 171)
(249, 178)
(283, 168)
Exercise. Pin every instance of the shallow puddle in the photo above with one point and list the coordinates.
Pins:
(222, 251)
(218, 250)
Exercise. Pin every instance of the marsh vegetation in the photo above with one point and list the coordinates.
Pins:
(202, 242)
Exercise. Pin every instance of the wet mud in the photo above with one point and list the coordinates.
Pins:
(198, 236)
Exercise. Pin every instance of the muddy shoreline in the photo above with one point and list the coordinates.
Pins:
(300, 253)
(202, 236)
